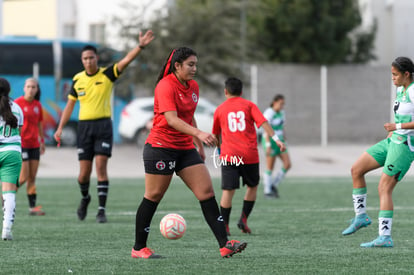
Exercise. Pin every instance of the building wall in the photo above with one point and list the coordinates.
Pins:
(395, 35)
(30, 18)
(359, 101)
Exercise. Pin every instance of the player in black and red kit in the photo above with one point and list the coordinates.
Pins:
(33, 142)
(234, 124)
(170, 148)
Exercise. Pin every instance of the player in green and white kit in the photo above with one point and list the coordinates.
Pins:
(395, 154)
(275, 115)
(11, 120)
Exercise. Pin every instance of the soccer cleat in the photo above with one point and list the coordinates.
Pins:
(83, 207)
(381, 241)
(358, 222)
(270, 195)
(6, 235)
(101, 217)
(275, 192)
(232, 247)
(36, 211)
(145, 253)
(242, 225)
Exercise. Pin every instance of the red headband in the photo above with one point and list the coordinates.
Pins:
(167, 67)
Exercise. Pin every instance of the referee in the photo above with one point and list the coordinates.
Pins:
(92, 88)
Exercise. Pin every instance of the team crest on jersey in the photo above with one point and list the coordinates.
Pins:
(36, 110)
(195, 98)
(160, 165)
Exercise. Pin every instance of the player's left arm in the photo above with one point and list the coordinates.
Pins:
(271, 133)
(180, 125)
(390, 127)
(144, 40)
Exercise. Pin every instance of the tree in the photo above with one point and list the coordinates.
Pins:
(210, 27)
(228, 34)
(314, 31)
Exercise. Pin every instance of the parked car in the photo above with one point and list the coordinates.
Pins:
(136, 118)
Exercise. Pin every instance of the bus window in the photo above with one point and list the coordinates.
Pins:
(18, 59)
(71, 61)
(59, 61)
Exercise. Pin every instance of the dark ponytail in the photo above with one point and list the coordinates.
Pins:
(176, 55)
(37, 96)
(5, 109)
(276, 99)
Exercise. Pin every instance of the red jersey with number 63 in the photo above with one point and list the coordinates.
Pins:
(171, 95)
(234, 119)
(32, 111)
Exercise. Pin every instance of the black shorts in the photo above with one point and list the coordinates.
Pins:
(165, 161)
(94, 138)
(30, 154)
(230, 176)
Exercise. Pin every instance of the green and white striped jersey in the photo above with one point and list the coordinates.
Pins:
(404, 113)
(10, 139)
(276, 120)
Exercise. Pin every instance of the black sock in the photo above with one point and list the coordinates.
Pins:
(103, 188)
(143, 219)
(32, 200)
(247, 208)
(215, 220)
(84, 188)
(225, 213)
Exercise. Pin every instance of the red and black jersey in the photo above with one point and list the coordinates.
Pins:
(32, 111)
(234, 120)
(171, 95)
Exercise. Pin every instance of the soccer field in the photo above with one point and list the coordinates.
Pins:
(300, 233)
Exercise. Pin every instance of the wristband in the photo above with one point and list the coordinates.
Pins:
(267, 144)
(275, 137)
(141, 47)
(42, 140)
(398, 126)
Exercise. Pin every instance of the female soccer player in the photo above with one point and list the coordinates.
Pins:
(11, 121)
(33, 142)
(395, 154)
(170, 148)
(276, 118)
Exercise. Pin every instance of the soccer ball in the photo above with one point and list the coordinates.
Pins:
(173, 226)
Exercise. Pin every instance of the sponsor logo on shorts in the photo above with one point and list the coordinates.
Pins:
(25, 155)
(160, 165)
(81, 151)
(105, 145)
